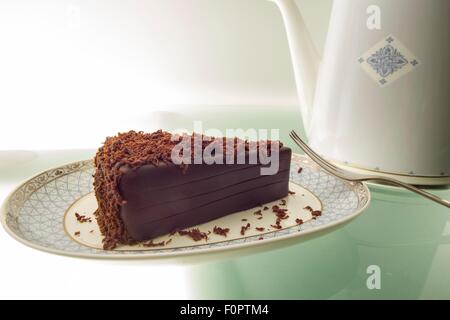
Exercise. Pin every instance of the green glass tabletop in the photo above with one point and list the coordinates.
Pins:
(402, 239)
(398, 248)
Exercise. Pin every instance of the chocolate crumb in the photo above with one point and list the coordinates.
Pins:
(299, 221)
(195, 234)
(77, 233)
(316, 213)
(151, 244)
(259, 218)
(260, 229)
(260, 238)
(277, 224)
(265, 208)
(257, 213)
(82, 219)
(291, 192)
(283, 202)
(280, 213)
(221, 231)
(245, 228)
(92, 231)
(244, 220)
(300, 170)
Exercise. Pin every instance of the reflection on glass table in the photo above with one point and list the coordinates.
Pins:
(405, 237)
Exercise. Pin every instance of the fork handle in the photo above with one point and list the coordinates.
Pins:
(413, 189)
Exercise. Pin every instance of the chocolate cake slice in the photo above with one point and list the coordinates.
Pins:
(142, 194)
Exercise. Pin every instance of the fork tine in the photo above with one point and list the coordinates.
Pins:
(325, 164)
(301, 145)
(308, 150)
(317, 156)
(313, 158)
(305, 146)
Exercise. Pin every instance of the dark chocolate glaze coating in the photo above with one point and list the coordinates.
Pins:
(161, 199)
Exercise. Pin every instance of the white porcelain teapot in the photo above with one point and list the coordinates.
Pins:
(379, 98)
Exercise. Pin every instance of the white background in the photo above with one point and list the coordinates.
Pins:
(73, 72)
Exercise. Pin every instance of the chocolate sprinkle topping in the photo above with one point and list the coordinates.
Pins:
(276, 226)
(221, 231)
(316, 213)
(195, 234)
(82, 219)
(151, 244)
(280, 213)
(245, 228)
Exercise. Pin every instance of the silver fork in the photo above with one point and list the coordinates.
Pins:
(351, 176)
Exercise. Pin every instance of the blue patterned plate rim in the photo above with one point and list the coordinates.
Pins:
(315, 180)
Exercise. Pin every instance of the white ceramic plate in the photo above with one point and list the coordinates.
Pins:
(41, 214)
